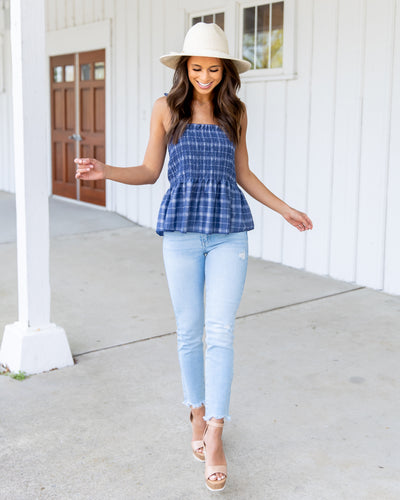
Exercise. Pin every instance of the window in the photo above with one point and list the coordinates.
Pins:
(266, 38)
(86, 71)
(262, 41)
(58, 75)
(99, 70)
(69, 73)
(214, 17)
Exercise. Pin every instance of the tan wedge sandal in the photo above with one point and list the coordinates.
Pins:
(214, 484)
(198, 447)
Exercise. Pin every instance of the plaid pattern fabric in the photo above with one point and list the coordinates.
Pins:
(203, 196)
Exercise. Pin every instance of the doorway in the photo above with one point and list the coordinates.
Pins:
(77, 122)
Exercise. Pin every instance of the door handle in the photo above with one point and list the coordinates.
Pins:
(75, 137)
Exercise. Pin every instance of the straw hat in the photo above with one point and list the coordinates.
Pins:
(205, 40)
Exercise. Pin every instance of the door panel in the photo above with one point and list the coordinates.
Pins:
(99, 111)
(58, 161)
(70, 109)
(69, 157)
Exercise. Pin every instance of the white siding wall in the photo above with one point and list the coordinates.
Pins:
(327, 141)
(7, 181)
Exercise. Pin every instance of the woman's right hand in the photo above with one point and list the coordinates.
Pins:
(89, 169)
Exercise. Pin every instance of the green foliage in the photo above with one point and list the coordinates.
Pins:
(16, 376)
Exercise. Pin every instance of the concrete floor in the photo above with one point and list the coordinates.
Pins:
(315, 399)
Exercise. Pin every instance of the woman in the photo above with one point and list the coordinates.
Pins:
(204, 219)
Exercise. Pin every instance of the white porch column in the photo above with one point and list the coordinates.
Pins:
(32, 344)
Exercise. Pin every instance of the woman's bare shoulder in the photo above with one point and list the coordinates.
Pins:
(161, 105)
(161, 110)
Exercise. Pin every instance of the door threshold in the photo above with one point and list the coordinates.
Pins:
(78, 202)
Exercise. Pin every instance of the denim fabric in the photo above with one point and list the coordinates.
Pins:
(216, 264)
(204, 196)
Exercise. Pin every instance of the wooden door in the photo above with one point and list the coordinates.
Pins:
(63, 124)
(92, 119)
(78, 121)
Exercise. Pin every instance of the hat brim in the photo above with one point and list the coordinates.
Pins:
(171, 60)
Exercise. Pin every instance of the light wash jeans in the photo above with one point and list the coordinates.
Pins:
(218, 261)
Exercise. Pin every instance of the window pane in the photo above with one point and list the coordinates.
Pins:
(69, 73)
(220, 20)
(99, 70)
(277, 35)
(263, 40)
(196, 20)
(85, 72)
(58, 74)
(208, 19)
(249, 16)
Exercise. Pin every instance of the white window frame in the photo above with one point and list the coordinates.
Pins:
(207, 12)
(286, 72)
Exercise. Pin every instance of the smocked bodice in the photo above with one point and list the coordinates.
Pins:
(203, 195)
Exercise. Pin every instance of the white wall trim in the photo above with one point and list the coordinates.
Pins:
(2, 63)
(84, 38)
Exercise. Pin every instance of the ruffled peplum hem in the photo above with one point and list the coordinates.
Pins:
(204, 206)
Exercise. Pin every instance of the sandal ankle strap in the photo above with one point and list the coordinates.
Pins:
(214, 424)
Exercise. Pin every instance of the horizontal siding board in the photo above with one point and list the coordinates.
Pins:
(297, 135)
(255, 102)
(145, 103)
(321, 134)
(99, 10)
(7, 180)
(69, 14)
(88, 11)
(79, 12)
(173, 34)
(61, 14)
(274, 167)
(157, 87)
(346, 163)
(51, 15)
(108, 9)
(374, 152)
(131, 63)
(119, 104)
(392, 243)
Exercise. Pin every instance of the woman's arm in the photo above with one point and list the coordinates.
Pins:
(149, 171)
(255, 188)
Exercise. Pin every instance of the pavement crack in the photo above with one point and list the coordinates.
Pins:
(286, 306)
(249, 315)
(124, 343)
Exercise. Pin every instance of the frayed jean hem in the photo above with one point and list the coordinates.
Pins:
(209, 417)
(191, 405)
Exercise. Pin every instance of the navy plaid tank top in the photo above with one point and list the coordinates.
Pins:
(203, 196)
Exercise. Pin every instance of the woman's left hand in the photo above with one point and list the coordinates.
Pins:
(298, 219)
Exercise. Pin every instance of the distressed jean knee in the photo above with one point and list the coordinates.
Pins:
(219, 334)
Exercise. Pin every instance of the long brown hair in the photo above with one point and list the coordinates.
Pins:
(228, 108)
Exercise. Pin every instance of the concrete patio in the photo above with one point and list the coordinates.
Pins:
(315, 400)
